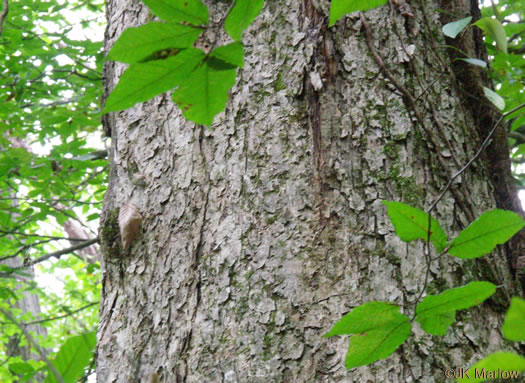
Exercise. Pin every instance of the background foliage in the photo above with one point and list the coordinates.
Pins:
(53, 167)
(51, 182)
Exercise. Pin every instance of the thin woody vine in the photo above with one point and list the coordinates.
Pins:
(175, 53)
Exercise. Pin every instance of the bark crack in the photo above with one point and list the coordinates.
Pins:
(195, 278)
(315, 31)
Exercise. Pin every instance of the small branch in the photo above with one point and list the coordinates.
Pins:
(517, 51)
(478, 153)
(74, 72)
(447, 187)
(30, 339)
(519, 137)
(3, 15)
(219, 27)
(61, 316)
(42, 236)
(51, 104)
(24, 248)
(50, 200)
(430, 85)
(95, 174)
(57, 254)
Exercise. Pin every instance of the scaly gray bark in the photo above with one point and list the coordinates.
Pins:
(260, 232)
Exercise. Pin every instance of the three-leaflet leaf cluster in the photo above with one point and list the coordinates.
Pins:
(161, 57)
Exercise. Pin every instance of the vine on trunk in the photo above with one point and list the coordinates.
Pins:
(176, 53)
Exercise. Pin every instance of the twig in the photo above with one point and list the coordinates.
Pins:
(30, 339)
(24, 248)
(60, 316)
(221, 23)
(430, 85)
(3, 15)
(412, 102)
(57, 254)
(42, 236)
(50, 200)
(436, 201)
(379, 60)
(478, 153)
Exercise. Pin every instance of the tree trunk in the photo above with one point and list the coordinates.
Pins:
(260, 232)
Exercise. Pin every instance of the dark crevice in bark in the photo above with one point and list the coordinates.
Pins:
(497, 155)
(195, 278)
(315, 31)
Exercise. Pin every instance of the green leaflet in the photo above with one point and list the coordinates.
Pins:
(494, 29)
(379, 329)
(191, 11)
(142, 81)
(437, 312)
(231, 53)
(410, 224)
(74, 355)
(494, 98)
(339, 8)
(493, 228)
(241, 16)
(205, 92)
(136, 44)
(476, 62)
(514, 325)
(454, 28)
(497, 362)
(22, 368)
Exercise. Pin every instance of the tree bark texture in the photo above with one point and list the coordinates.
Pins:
(260, 232)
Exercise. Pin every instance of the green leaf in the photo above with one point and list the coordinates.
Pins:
(493, 228)
(21, 368)
(494, 29)
(476, 62)
(379, 330)
(6, 292)
(339, 8)
(499, 365)
(205, 93)
(74, 355)
(437, 312)
(5, 269)
(494, 98)
(514, 325)
(454, 28)
(136, 44)
(410, 224)
(241, 16)
(143, 81)
(231, 53)
(191, 11)
(438, 323)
